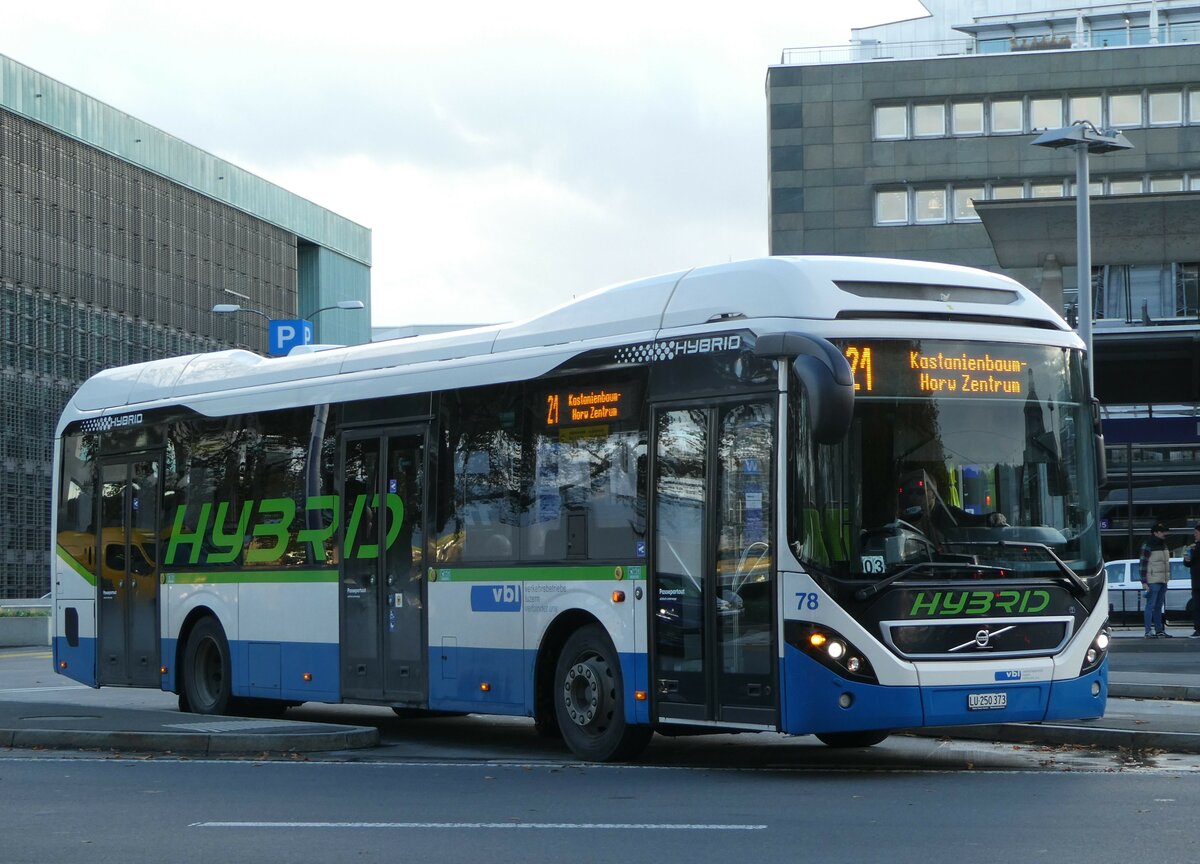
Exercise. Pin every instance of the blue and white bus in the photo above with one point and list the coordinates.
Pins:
(830, 496)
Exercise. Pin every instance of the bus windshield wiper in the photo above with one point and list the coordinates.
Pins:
(1075, 582)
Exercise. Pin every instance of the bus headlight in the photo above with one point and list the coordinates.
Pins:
(1097, 651)
(831, 649)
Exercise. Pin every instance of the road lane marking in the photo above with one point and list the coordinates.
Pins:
(490, 826)
(44, 689)
(45, 655)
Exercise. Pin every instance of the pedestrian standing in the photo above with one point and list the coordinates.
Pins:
(1191, 557)
(1155, 569)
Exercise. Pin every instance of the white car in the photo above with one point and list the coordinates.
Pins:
(1126, 597)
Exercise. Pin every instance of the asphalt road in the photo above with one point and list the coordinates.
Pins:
(188, 812)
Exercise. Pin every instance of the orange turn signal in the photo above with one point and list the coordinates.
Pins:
(485, 687)
(307, 676)
(62, 664)
(162, 670)
(618, 596)
(639, 695)
(817, 640)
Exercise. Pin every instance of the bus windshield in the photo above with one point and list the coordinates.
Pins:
(979, 454)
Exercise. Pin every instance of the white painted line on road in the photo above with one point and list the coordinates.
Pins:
(489, 826)
(45, 689)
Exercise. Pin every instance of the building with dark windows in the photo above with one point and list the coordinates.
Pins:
(116, 240)
(914, 141)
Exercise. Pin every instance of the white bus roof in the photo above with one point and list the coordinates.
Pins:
(721, 297)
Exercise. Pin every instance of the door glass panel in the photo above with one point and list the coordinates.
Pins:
(360, 585)
(142, 571)
(681, 489)
(404, 566)
(744, 563)
(113, 590)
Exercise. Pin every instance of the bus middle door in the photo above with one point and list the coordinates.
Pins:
(382, 589)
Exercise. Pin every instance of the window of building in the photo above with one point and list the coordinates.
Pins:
(1166, 109)
(1008, 192)
(1084, 108)
(1006, 115)
(930, 205)
(1045, 113)
(1194, 182)
(1187, 290)
(1166, 184)
(891, 121)
(1095, 187)
(929, 120)
(1046, 190)
(891, 207)
(1194, 105)
(1125, 109)
(1125, 186)
(967, 118)
(964, 203)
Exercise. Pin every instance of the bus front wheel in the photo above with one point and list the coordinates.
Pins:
(589, 700)
(853, 739)
(207, 682)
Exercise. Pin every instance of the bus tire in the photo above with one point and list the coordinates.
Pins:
(207, 678)
(869, 738)
(589, 700)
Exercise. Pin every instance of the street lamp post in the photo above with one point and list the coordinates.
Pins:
(1085, 138)
(341, 304)
(230, 308)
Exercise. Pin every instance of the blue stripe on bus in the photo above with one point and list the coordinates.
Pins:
(80, 660)
(812, 692)
(811, 695)
(456, 675)
(275, 670)
(1073, 699)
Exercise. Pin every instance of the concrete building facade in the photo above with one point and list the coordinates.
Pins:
(886, 146)
(116, 240)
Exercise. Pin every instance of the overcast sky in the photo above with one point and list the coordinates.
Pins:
(506, 156)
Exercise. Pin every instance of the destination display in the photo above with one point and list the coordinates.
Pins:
(585, 406)
(956, 369)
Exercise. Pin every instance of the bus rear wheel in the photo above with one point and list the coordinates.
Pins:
(207, 678)
(589, 700)
(853, 739)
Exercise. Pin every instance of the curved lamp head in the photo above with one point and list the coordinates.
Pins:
(227, 307)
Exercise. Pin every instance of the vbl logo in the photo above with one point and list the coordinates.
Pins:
(495, 598)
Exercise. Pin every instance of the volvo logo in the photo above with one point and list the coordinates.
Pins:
(983, 639)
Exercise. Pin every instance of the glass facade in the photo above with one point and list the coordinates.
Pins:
(103, 263)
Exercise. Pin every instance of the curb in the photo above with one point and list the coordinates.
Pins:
(1176, 692)
(190, 742)
(1088, 736)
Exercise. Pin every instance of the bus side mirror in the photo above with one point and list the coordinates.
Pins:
(826, 377)
(1098, 436)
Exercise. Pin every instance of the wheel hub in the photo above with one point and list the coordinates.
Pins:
(582, 691)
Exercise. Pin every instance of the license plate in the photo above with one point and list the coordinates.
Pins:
(985, 701)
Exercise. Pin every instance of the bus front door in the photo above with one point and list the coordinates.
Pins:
(383, 656)
(127, 625)
(713, 574)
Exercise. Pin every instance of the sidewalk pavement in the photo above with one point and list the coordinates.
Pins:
(1146, 711)
(30, 725)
